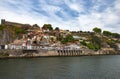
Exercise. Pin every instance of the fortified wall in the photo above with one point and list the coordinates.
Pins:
(8, 23)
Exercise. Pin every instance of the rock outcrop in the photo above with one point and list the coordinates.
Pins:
(9, 31)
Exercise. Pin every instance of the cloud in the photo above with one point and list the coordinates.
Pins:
(66, 14)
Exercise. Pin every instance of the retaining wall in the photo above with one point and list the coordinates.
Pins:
(38, 53)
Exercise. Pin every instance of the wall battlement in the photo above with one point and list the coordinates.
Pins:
(8, 23)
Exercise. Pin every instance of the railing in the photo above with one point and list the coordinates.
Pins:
(16, 47)
(69, 52)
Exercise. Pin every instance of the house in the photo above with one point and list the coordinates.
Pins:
(76, 37)
(17, 44)
(45, 40)
(64, 33)
(72, 46)
(118, 45)
(14, 46)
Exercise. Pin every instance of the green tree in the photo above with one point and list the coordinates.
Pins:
(68, 38)
(96, 41)
(36, 26)
(57, 28)
(107, 33)
(97, 30)
(115, 35)
(47, 26)
(18, 30)
(83, 43)
(59, 37)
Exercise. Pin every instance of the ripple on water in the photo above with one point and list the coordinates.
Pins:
(95, 67)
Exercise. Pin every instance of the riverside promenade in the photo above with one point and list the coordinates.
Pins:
(53, 53)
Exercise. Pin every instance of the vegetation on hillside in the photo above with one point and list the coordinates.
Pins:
(95, 40)
(47, 26)
(97, 30)
(94, 43)
(9, 33)
(67, 39)
(2, 27)
(57, 29)
(98, 38)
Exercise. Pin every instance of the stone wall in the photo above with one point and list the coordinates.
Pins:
(40, 53)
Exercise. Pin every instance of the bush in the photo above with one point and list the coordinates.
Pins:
(83, 43)
(68, 38)
(93, 47)
(2, 27)
(18, 30)
(4, 54)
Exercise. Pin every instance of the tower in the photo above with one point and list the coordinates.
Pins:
(2, 21)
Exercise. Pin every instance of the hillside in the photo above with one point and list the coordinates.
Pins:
(95, 40)
(9, 33)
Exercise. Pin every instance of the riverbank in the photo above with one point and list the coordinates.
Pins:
(53, 53)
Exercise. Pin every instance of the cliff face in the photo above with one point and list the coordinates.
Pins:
(9, 31)
(7, 35)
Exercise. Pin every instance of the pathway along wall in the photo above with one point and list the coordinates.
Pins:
(38, 53)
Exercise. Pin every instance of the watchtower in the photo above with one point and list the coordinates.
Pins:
(2, 21)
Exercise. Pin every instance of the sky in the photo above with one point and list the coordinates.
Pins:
(74, 15)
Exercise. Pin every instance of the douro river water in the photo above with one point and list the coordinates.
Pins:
(84, 67)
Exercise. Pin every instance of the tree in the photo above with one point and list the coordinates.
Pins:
(68, 38)
(57, 29)
(97, 30)
(18, 30)
(83, 43)
(80, 31)
(47, 26)
(115, 35)
(35, 25)
(96, 42)
(110, 34)
(59, 37)
(107, 33)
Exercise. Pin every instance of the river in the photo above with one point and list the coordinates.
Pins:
(84, 67)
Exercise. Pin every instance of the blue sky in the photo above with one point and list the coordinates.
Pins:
(65, 14)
